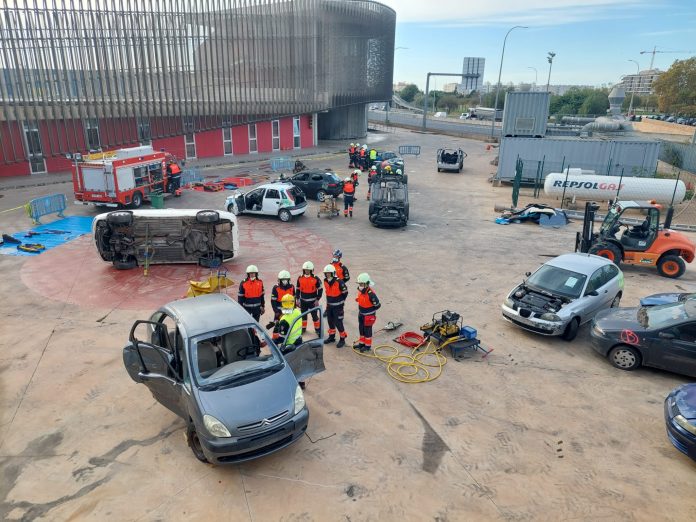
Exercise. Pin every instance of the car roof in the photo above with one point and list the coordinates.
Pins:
(274, 184)
(581, 263)
(207, 313)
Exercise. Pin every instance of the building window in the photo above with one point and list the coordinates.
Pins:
(144, 135)
(275, 125)
(227, 140)
(32, 139)
(296, 132)
(92, 134)
(190, 141)
(252, 138)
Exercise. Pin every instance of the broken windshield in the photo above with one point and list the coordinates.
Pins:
(655, 317)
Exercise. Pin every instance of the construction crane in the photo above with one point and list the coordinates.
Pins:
(655, 51)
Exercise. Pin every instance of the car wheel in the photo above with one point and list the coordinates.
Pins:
(137, 199)
(207, 216)
(624, 357)
(321, 195)
(671, 266)
(607, 250)
(405, 179)
(571, 330)
(284, 215)
(122, 217)
(616, 302)
(439, 169)
(194, 443)
(120, 264)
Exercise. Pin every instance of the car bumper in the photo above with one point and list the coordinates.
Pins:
(232, 451)
(533, 324)
(680, 438)
(298, 210)
(601, 344)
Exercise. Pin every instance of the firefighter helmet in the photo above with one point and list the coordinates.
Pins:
(252, 269)
(398, 171)
(364, 278)
(347, 180)
(338, 254)
(330, 269)
(287, 301)
(308, 265)
(283, 274)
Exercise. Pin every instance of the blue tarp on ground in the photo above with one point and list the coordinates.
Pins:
(75, 226)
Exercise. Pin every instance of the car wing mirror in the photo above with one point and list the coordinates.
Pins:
(666, 335)
(593, 293)
(527, 274)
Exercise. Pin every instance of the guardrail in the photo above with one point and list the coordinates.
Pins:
(43, 206)
(413, 150)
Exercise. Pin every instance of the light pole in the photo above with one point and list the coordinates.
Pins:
(550, 59)
(500, 72)
(386, 116)
(633, 86)
(536, 75)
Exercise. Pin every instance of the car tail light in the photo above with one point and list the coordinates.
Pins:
(332, 185)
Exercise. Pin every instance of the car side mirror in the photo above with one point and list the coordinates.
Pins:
(593, 293)
(666, 335)
(527, 274)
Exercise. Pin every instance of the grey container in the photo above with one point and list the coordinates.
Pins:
(610, 157)
(526, 114)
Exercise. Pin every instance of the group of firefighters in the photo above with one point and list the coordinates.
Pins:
(359, 157)
(308, 291)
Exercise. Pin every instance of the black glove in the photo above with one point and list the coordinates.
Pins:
(270, 325)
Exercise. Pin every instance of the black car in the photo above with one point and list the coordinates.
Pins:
(680, 419)
(661, 336)
(392, 158)
(318, 183)
(389, 201)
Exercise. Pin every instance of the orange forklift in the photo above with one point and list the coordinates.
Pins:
(637, 240)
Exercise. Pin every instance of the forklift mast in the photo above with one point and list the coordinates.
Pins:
(584, 240)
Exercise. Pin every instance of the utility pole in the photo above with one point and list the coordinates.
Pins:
(500, 72)
(633, 90)
(550, 57)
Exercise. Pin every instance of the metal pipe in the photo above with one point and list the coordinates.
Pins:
(427, 90)
(500, 72)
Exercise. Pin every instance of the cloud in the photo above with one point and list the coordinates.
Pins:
(456, 13)
(668, 32)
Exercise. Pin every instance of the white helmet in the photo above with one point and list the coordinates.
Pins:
(308, 265)
(283, 274)
(252, 269)
(347, 180)
(330, 269)
(352, 144)
(356, 171)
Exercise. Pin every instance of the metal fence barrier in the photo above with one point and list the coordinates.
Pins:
(190, 176)
(45, 205)
(282, 164)
(414, 150)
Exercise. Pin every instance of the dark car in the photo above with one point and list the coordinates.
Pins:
(389, 201)
(392, 158)
(209, 362)
(680, 417)
(661, 336)
(318, 183)
(666, 298)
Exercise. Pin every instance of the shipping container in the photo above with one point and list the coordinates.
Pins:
(607, 157)
(526, 114)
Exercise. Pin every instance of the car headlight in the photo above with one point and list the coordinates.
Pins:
(215, 427)
(551, 317)
(509, 303)
(597, 330)
(681, 420)
(299, 400)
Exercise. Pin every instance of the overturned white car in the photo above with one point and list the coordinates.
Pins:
(128, 238)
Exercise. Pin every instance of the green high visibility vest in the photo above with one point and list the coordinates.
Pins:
(296, 332)
(373, 154)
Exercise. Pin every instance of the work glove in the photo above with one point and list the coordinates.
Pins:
(270, 325)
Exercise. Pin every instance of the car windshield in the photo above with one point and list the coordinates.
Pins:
(222, 357)
(556, 280)
(390, 192)
(666, 315)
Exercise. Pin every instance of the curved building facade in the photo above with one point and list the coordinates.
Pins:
(199, 78)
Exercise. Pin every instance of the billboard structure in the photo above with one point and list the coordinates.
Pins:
(472, 71)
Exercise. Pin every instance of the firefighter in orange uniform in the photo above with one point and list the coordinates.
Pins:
(336, 294)
(251, 294)
(368, 304)
(351, 155)
(348, 197)
(310, 291)
(341, 270)
(284, 287)
(173, 177)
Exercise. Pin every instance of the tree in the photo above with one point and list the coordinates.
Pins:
(449, 102)
(408, 92)
(676, 88)
(596, 102)
(627, 101)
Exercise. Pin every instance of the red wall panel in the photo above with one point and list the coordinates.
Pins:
(12, 145)
(286, 134)
(240, 139)
(209, 144)
(306, 132)
(15, 169)
(175, 146)
(264, 136)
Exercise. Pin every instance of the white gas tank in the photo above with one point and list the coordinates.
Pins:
(604, 188)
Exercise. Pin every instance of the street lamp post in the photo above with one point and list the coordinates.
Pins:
(536, 75)
(550, 57)
(500, 72)
(633, 86)
(386, 118)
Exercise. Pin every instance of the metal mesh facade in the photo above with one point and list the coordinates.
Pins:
(182, 66)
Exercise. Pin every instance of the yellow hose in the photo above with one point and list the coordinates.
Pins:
(411, 365)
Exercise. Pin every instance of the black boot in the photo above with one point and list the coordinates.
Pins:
(341, 342)
(330, 339)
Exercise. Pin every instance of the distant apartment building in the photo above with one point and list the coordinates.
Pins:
(472, 71)
(450, 87)
(398, 87)
(641, 83)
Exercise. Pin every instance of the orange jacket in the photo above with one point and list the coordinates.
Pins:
(251, 293)
(336, 292)
(341, 271)
(349, 188)
(278, 292)
(367, 302)
(309, 287)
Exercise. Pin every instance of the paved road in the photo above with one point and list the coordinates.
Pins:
(462, 127)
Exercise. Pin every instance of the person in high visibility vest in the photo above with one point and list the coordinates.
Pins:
(351, 156)
(336, 294)
(309, 291)
(341, 270)
(373, 156)
(251, 293)
(368, 304)
(285, 332)
(348, 197)
(280, 290)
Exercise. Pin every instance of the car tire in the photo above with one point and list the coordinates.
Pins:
(321, 195)
(616, 302)
(671, 266)
(439, 169)
(607, 250)
(405, 179)
(624, 357)
(207, 216)
(284, 215)
(137, 199)
(120, 217)
(571, 330)
(194, 442)
(128, 264)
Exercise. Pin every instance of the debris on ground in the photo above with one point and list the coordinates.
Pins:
(540, 214)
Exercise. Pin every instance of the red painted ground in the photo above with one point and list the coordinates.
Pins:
(75, 273)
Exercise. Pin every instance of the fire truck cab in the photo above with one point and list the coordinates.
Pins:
(124, 177)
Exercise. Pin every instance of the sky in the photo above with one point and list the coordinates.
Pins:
(593, 39)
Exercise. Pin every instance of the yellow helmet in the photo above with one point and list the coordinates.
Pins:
(287, 301)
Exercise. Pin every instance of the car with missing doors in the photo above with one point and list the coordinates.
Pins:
(563, 294)
(207, 360)
(128, 238)
(280, 198)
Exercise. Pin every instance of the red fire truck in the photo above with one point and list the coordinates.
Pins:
(124, 177)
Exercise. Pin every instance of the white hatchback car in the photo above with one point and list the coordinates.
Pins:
(280, 199)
